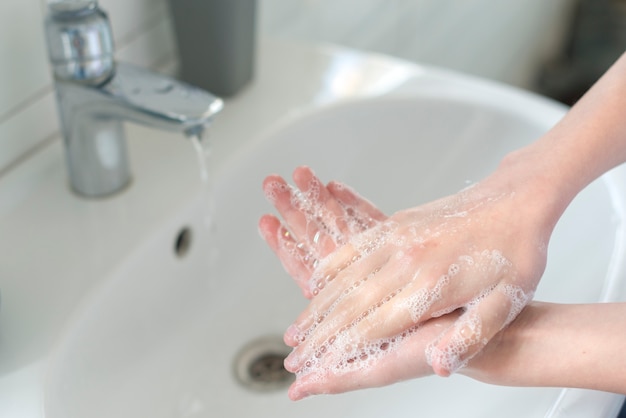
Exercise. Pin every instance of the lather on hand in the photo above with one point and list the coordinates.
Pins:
(391, 274)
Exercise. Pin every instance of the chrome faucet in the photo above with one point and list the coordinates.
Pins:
(95, 95)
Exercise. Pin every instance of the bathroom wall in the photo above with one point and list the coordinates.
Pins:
(504, 40)
(501, 39)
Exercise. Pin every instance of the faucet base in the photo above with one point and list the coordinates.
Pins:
(99, 167)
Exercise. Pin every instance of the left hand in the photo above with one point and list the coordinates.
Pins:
(317, 220)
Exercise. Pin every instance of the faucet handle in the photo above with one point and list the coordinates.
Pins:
(80, 41)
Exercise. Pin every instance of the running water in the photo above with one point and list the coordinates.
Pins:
(203, 152)
(202, 148)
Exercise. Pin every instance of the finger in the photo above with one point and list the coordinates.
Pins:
(296, 262)
(361, 213)
(354, 304)
(325, 215)
(483, 319)
(375, 364)
(340, 270)
(310, 212)
(330, 280)
(280, 194)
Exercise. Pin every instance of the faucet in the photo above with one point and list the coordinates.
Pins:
(95, 95)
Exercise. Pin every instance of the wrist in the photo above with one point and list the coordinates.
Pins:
(510, 358)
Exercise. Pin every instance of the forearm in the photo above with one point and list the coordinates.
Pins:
(559, 345)
(591, 139)
(587, 142)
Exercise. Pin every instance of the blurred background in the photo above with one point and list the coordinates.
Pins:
(555, 47)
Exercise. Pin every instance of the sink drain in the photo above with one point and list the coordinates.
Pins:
(259, 365)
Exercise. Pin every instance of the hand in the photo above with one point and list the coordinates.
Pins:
(318, 219)
(375, 364)
(477, 251)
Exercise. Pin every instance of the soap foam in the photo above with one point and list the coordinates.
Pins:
(322, 222)
(468, 328)
(296, 250)
(357, 221)
(519, 299)
(363, 244)
(317, 215)
(374, 238)
(320, 316)
(423, 299)
(467, 333)
(273, 189)
(351, 352)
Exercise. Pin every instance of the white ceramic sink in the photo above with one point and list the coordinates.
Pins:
(125, 327)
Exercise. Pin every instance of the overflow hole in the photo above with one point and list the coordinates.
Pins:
(183, 242)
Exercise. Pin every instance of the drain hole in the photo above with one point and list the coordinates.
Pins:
(268, 369)
(259, 365)
(183, 242)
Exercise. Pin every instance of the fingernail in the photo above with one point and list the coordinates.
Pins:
(292, 336)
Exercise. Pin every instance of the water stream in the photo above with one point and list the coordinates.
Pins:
(202, 148)
(203, 151)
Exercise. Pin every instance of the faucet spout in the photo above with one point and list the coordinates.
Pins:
(95, 95)
(144, 97)
(92, 122)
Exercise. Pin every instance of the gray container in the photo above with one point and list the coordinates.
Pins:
(216, 43)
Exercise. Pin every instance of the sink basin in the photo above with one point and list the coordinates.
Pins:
(177, 313)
